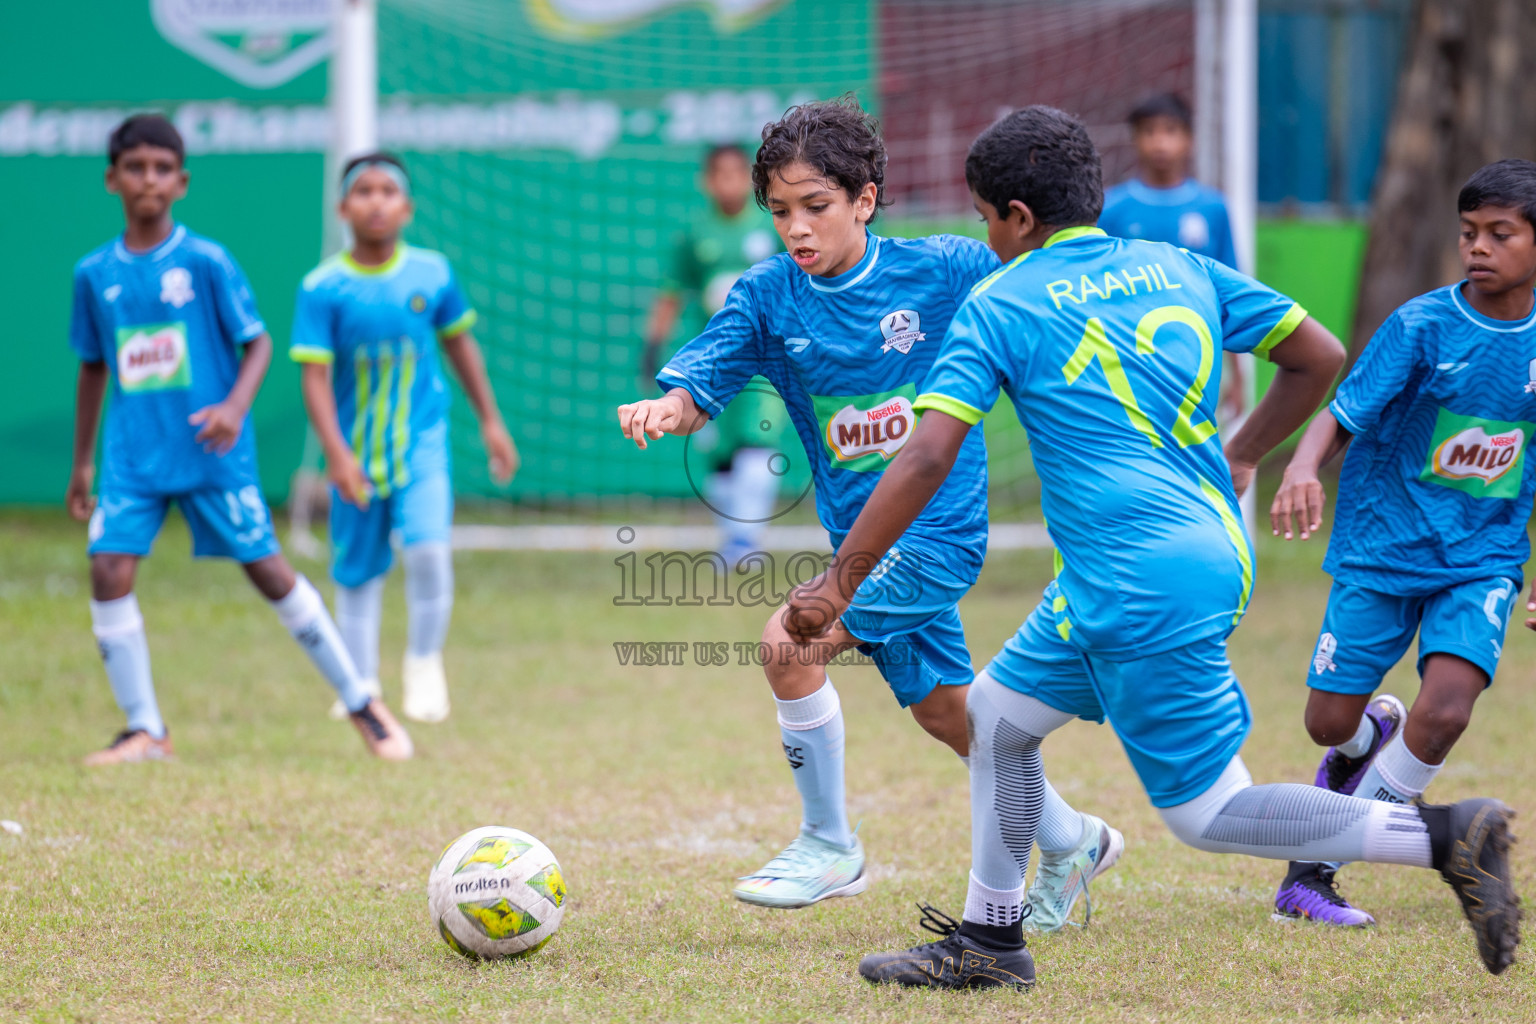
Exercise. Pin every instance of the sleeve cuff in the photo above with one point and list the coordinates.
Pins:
(1344, 418)
(668, 379)
(1282, 330)
(459, 326)
(252, 331)
(949, 406)
(311, 354)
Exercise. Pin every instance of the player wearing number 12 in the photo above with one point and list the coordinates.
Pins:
(1108, 349)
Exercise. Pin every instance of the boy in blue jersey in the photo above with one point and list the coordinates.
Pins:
(1162, 203)
(1430, 535)
(1108, 349)
(366, 329)
(845, 325)
(166, 318)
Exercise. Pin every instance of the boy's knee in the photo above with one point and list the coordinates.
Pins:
(1437, 727)
(112, 576)
(1330, 720)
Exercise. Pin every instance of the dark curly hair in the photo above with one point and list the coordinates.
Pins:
(145, 130)
(837, 138)
(1509, 183)
(1042, 157)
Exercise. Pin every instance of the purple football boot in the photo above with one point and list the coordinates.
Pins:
(1309, 892)
(1341, 773)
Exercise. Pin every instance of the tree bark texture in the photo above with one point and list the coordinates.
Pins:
(1464, 99)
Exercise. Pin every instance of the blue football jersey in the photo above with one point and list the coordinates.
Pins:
(1436, 489)
(1109, 350)
(379, 327)
(1190, 215)
(847, 354)
(171, 324)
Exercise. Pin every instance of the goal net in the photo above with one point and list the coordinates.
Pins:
(554, 147)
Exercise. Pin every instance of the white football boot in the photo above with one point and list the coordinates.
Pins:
(426, 688)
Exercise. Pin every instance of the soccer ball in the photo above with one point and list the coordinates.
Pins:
(496, 893)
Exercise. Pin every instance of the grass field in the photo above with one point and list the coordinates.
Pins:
(274, 873)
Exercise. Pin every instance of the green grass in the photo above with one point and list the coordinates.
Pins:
(274, 873)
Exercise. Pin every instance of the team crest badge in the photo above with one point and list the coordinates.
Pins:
(418, 303)
(1530, 388)
(259, 43)
(1322, 658)
(902, 330)
(176, 287)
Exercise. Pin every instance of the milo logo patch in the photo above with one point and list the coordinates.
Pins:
(153, 357)
(1481, 457)
(864, 432)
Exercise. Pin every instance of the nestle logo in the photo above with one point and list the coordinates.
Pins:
(1501, 442)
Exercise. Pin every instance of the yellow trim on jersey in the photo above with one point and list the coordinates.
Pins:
(402, 425)
(389, 266)
(311, 354)
(949, 407)
(1067, 234)
(459, 326)
(986, 282)
(1239, 541)
(1282, 330)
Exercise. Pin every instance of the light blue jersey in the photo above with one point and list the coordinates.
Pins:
(171, 324)
(1436, 489)
(847, 354)
(1190, 215)
(1109, 350)
(379, 327)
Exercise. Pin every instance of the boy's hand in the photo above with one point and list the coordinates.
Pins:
(220, 426)
(500, 451)
(1242, 475)
(813, 608)
(78, 498)
(1298, 505)
(347, 477)
(650, 418)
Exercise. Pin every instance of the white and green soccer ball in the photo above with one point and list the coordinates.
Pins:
(496, 893)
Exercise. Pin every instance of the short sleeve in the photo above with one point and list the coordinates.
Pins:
(313, 338)
(85, 334)
(716, 365)
(1254, 317)
(453, 314)
(965, 379)
(1378, 376)
(968, 262)
(233, 299)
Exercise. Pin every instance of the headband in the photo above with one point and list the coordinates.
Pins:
(393, 170)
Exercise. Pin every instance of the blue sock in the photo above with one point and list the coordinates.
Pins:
(428, 597)
(358, 611)
(119, 630)
(812, 731)
(303, 613)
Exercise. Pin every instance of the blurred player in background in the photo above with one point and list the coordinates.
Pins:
(1106, 348)
(366, 330)
(846, 325)
(1430, 534)
(1162, 203)
(716, 248)
(166, 317)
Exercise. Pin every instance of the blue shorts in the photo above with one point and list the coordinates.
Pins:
(1181, 715)
(422, 511)
(225, 524)
(1366, 632)
(905, 614)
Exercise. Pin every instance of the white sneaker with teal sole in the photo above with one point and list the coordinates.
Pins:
(1061, 879)
(808, 871)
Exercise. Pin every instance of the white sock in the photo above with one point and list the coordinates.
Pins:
(1360, 744)
(119, 630)
(1396, 776)
(359, 610)
(997, 907)
(428, 596)
(811, 729)
(303, 613)
(1061, 828)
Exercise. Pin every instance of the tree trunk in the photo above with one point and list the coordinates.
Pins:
(1463, 100)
